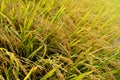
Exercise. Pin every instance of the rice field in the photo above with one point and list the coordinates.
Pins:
(59, 40)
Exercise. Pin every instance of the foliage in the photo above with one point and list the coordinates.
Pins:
(59, 40)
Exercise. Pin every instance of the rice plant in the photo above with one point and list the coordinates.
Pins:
(59, 40)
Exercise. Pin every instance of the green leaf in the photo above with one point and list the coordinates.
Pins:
(49, 74)
(81, 76)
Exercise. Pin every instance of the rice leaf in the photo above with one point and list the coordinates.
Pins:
(49, 74)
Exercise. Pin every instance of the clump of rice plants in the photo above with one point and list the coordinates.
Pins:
(59, 40)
